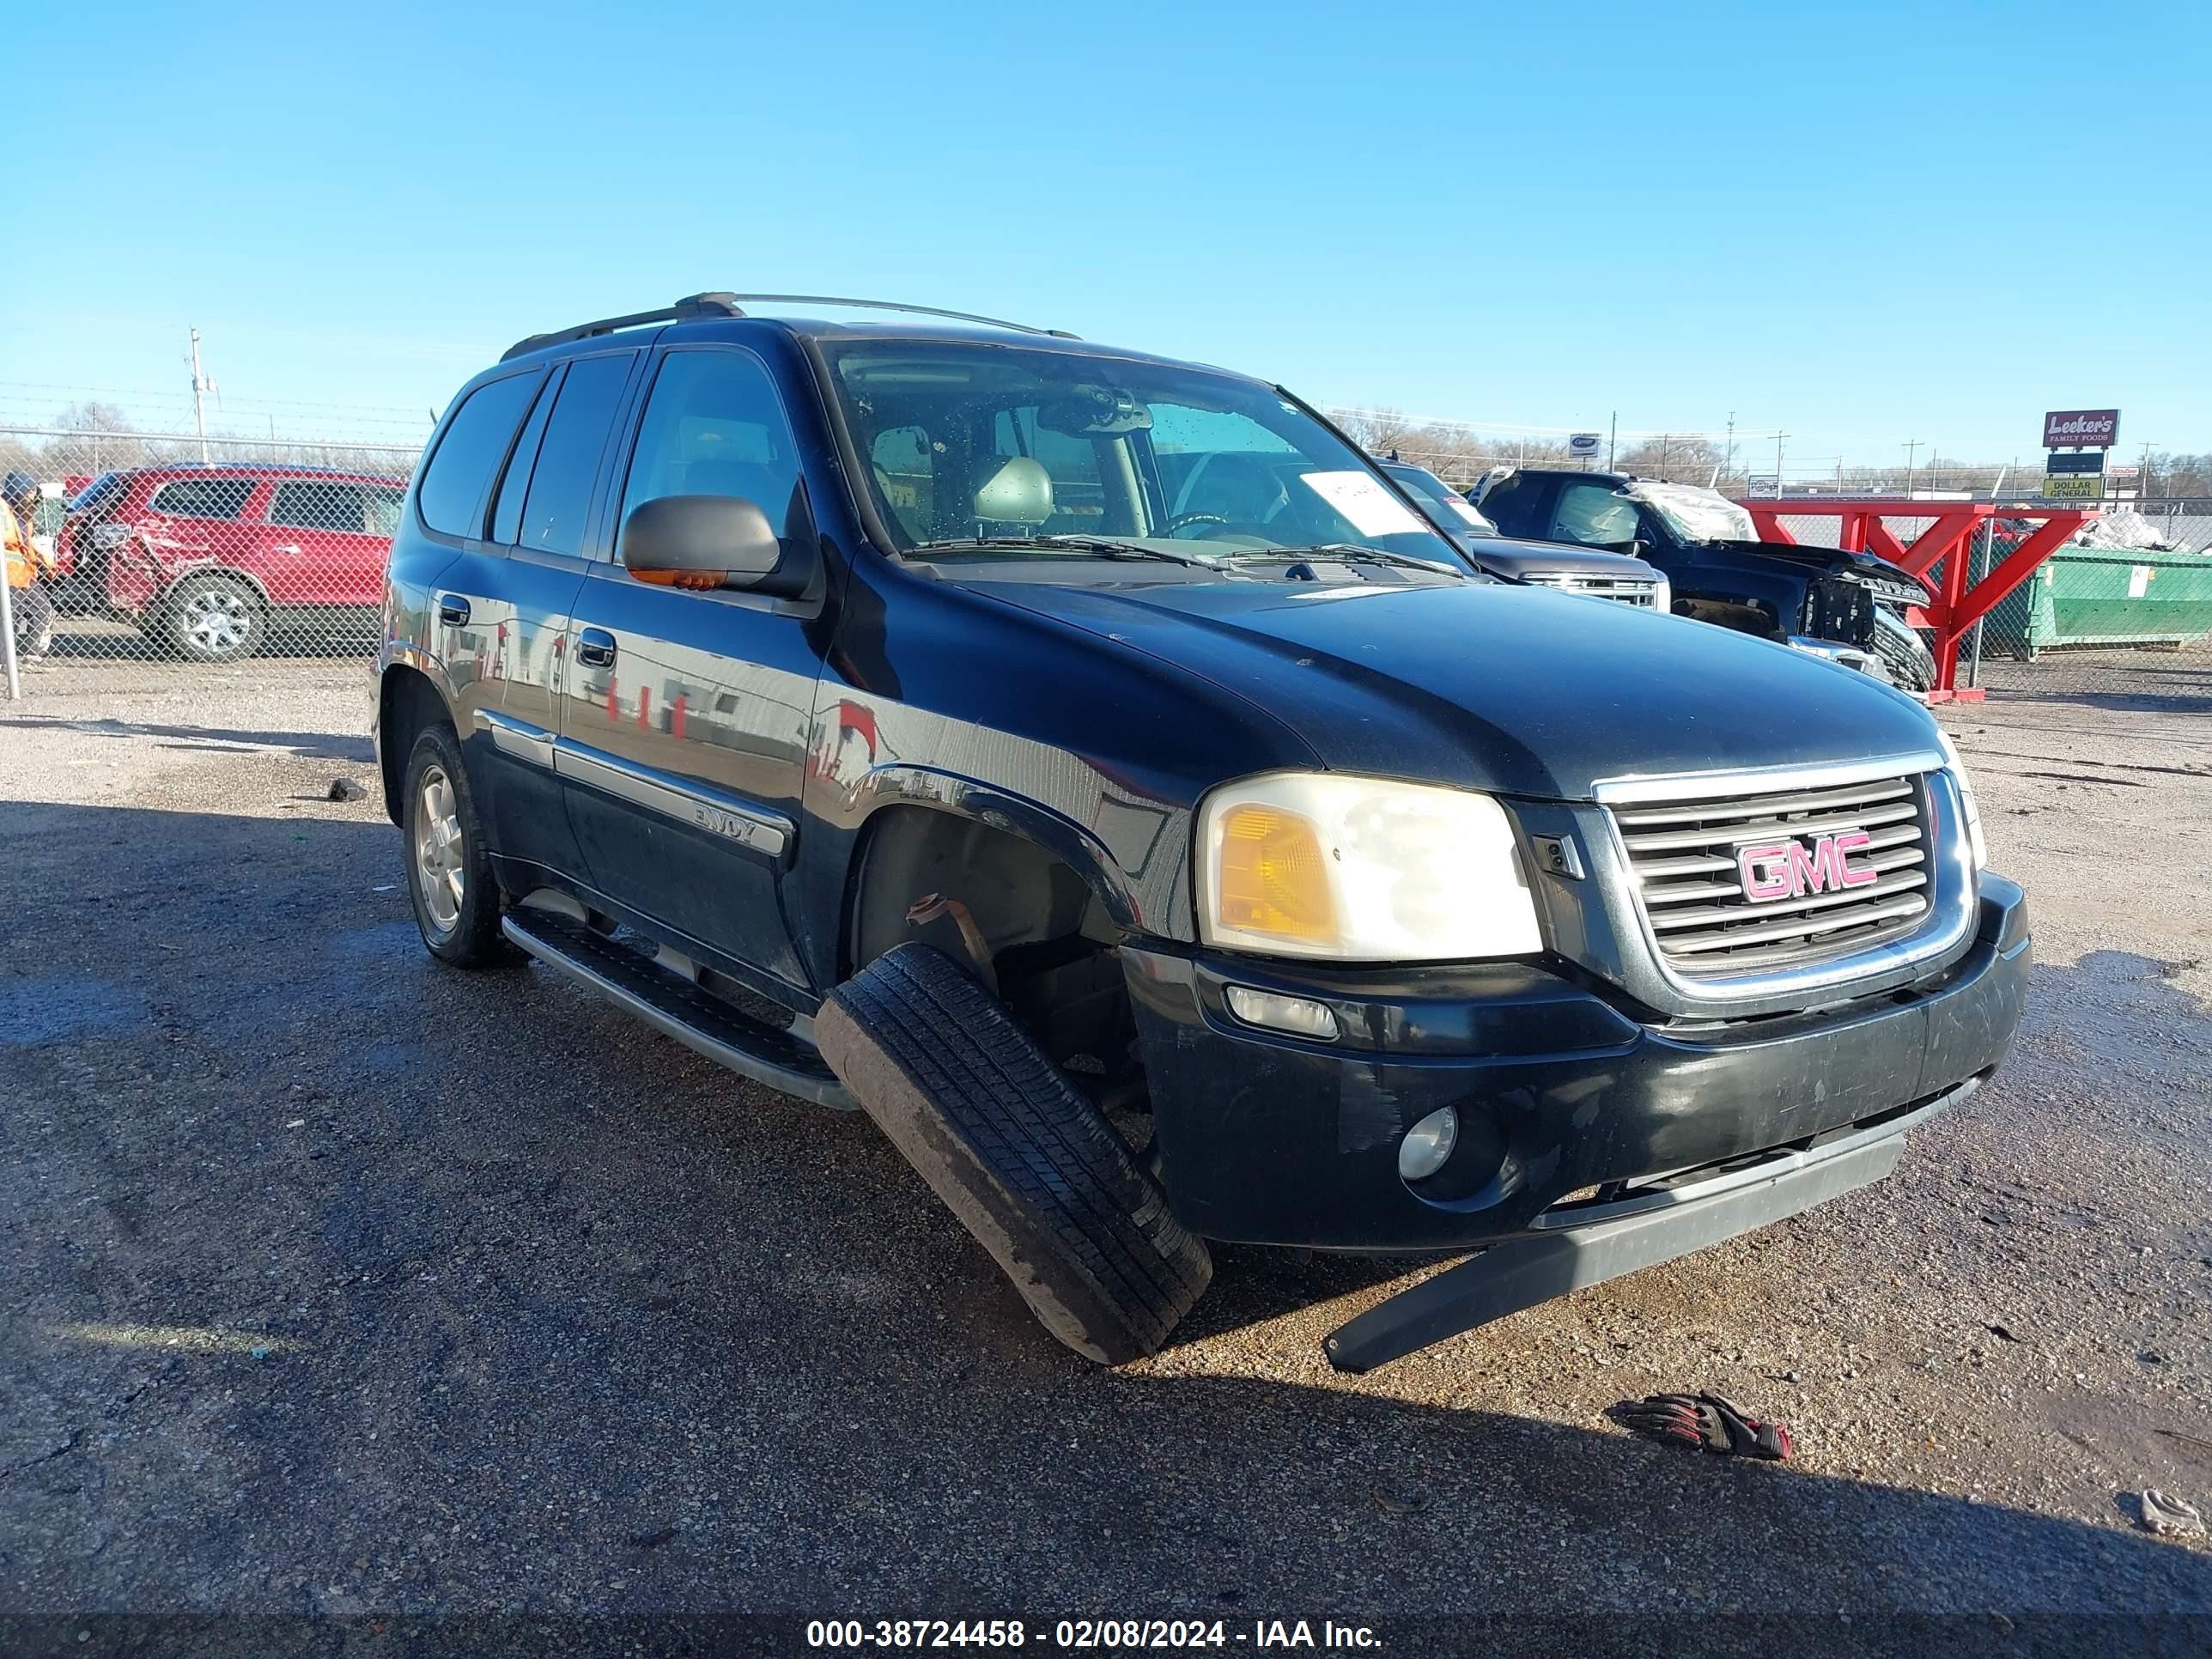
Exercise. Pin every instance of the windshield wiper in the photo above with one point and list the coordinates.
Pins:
(1101, 547)
(1347, 550)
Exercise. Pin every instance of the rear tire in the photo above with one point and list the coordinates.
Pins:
(1028, 1166)
(214, 618)
(450, 883)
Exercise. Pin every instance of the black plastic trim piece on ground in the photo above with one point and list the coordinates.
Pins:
(1028, 1166)
(1523, 1272)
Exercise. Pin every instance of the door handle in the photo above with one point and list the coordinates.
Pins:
(291, 548)
(595, 648)
(453, 610)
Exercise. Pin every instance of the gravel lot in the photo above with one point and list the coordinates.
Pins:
(334, 1281)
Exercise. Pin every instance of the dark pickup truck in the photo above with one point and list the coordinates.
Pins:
(1592, 572)
(1849, 607)
(1089, 765)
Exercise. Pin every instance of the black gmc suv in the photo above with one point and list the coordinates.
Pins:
(1089, 765)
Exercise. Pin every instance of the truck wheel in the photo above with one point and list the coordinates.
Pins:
(1026, 1164)
(214, 618)
(449, 878)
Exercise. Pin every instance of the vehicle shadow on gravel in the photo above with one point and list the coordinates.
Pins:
(335, 1280)
(308, 745)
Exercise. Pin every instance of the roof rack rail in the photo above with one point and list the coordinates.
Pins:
(698, 306)
(684, 310)
(895, 305)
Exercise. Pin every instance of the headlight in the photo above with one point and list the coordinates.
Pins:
(1957, 768)
(108, 536)
(1663, 596)
(1360, 870)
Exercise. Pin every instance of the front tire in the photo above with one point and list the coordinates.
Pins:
(214, 618)
(450, 883)
(1027, 1165)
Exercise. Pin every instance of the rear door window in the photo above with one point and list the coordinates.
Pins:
(451, 495)
(203, 498)
(568, 459)
(1511, 502)
(318, 506)
(507, 513)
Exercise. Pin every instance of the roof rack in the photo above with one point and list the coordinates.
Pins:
(684, 310)
(725, 305)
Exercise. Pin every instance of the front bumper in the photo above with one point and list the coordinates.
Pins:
(1267, 1139)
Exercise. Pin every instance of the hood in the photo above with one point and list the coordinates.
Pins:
(1510, 689)
(1515, 558)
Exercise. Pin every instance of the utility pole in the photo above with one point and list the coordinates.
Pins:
(1613, 437)
(1778, 437)
(1729, 470)
(1912, 447)
(201, 386)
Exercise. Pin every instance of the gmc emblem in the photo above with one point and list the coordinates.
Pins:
(1789, 869)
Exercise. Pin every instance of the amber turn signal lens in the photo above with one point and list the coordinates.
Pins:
(696, 581)
(1274, 878)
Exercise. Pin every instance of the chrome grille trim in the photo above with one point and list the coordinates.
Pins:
(1677, 837)
(1638, 591)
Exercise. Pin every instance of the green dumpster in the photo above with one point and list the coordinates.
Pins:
(2096, 596)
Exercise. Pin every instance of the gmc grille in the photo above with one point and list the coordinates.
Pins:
(1625, 590)
(1683, 856)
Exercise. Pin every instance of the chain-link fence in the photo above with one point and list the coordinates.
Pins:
(200, 552)
(2095, 619)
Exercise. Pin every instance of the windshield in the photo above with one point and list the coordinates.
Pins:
(1693, 513)
(983, 450)
(1456, 511)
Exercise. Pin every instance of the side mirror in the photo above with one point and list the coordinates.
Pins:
(710, 541)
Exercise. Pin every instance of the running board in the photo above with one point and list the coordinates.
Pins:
(676, 1007)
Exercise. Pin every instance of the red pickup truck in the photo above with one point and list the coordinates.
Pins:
(213, 561)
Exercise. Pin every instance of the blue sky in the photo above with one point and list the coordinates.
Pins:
(1862, 224)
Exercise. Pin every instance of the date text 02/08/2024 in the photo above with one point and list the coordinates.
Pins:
(1109, 1634)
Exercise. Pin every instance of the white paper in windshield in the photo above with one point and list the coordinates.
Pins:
(1372, 509)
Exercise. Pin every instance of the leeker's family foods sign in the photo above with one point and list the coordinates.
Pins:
(2081, 429)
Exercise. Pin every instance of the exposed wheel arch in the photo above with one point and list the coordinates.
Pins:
(1015, 891)
(407, 705)
(1047, 941)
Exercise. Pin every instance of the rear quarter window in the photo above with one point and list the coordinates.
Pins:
(202, 498)
(317, 506)
(475, 441)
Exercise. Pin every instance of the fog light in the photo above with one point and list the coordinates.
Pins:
(1427, 1145)
(1299, 1016)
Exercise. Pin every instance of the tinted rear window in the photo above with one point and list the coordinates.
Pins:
(568, 457)
(317, 506)
(453, 489)
(203, 498)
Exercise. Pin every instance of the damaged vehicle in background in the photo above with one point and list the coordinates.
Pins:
(1849, 607)
(1087, 764)
(1541, 564)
